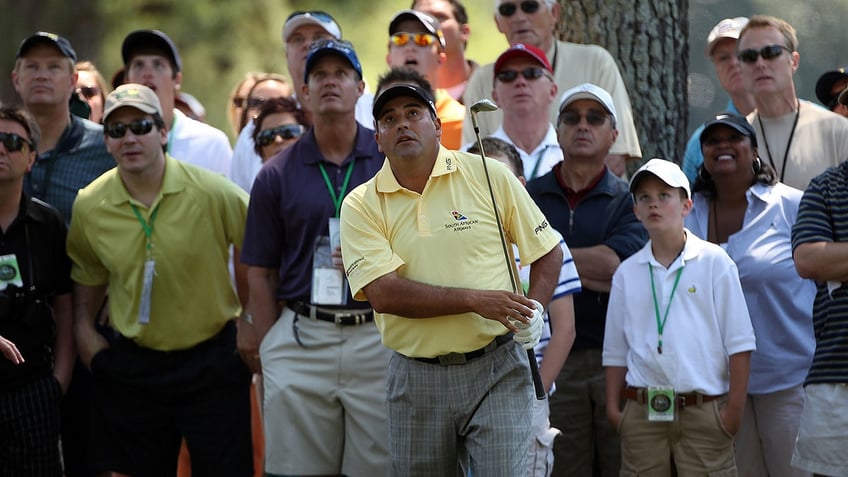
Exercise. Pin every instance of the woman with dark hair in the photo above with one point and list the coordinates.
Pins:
(279, 123)
(740, 205)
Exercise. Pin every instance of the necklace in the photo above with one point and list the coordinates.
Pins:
(788, 143)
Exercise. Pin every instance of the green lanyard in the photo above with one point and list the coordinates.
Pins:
(337, 199)
(661, 323)
(146, 226)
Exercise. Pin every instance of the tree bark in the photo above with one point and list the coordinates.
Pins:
(649, 41)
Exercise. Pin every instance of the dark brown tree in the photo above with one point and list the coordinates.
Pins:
(649, 40)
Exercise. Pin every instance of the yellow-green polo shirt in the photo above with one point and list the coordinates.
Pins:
(446, 236)
(200, 214)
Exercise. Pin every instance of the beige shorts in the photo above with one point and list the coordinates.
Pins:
(324, 403)
(822, 444)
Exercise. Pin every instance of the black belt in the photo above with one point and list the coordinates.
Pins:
(462, 358)
(338, 316)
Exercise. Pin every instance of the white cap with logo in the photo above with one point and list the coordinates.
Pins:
(727, 28)
(664, 170)
(589, 91)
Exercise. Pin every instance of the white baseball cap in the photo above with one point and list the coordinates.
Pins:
(664, 170)
(312, 17)
(589, 91)
(727, 28)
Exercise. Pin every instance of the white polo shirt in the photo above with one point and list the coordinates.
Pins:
(707, 319)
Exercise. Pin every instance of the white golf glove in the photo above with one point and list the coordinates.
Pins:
(528, 334)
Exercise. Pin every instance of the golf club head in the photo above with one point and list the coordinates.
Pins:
(484, 105)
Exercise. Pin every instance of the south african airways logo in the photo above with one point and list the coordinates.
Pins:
(461, 222)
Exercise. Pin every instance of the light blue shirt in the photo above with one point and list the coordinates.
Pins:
(780, 302)
(693, 158)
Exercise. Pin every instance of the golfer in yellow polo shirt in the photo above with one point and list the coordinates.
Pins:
(421, 243)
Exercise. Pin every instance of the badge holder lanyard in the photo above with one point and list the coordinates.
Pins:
(149, 264)
(661, 398)
(328, 282)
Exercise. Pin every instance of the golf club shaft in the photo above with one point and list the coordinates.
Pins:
(510, 263)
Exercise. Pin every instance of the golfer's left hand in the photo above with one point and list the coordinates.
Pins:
(528, 334)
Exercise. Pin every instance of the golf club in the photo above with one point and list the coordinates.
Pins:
(486, 105)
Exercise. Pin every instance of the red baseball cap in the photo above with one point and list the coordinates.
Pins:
(522, 50)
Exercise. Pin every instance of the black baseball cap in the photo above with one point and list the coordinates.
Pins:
(141, 40)
(59, 42)
(734, 121)
(399, 90)
(825, 84)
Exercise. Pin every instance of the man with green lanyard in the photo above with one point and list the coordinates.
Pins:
(322, 361)
(157, 232)
(151, 58)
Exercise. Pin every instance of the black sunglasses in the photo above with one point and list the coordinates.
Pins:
(139, 127)
(531, 73)
(88, 91)
(767, 52)
(527, 6)
(286, 131)
(573, 118)
(13, 142)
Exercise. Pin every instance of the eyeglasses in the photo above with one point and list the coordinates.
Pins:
(89, 91)
(767, 52)
(531, 73)
(527, 6)
(238, 101)
(13, 142)
(286, 132)
(139, 127)
(573, 118)
(420, 39)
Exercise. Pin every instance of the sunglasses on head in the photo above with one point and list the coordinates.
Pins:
(527, 6)
(88, 91)
(139, 127)
(420, 39)
(531, 73)
(320, 15)
(13, 142)
(767, 52)
(573, 118)
(286, 132)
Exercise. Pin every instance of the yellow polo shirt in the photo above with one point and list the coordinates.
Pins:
(200, 214)
(446, 236)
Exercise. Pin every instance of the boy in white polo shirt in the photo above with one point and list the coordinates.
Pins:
(678, 340)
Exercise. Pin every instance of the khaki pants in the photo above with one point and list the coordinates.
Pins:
(696, 440)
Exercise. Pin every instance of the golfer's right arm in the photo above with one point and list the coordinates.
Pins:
(87, 300)
(403, 297)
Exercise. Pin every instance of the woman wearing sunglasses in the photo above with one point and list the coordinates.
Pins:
(279, 124)
(92, 87)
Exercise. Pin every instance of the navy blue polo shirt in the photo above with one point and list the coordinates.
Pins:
(603, 216)
(43, 253)
(290, 207)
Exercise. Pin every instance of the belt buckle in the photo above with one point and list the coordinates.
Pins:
(680, 399)
(338, 317)
(452, 359)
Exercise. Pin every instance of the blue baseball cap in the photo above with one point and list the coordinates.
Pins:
(53, 39)
(331, 46)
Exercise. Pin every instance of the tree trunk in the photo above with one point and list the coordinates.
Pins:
(649, 41)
